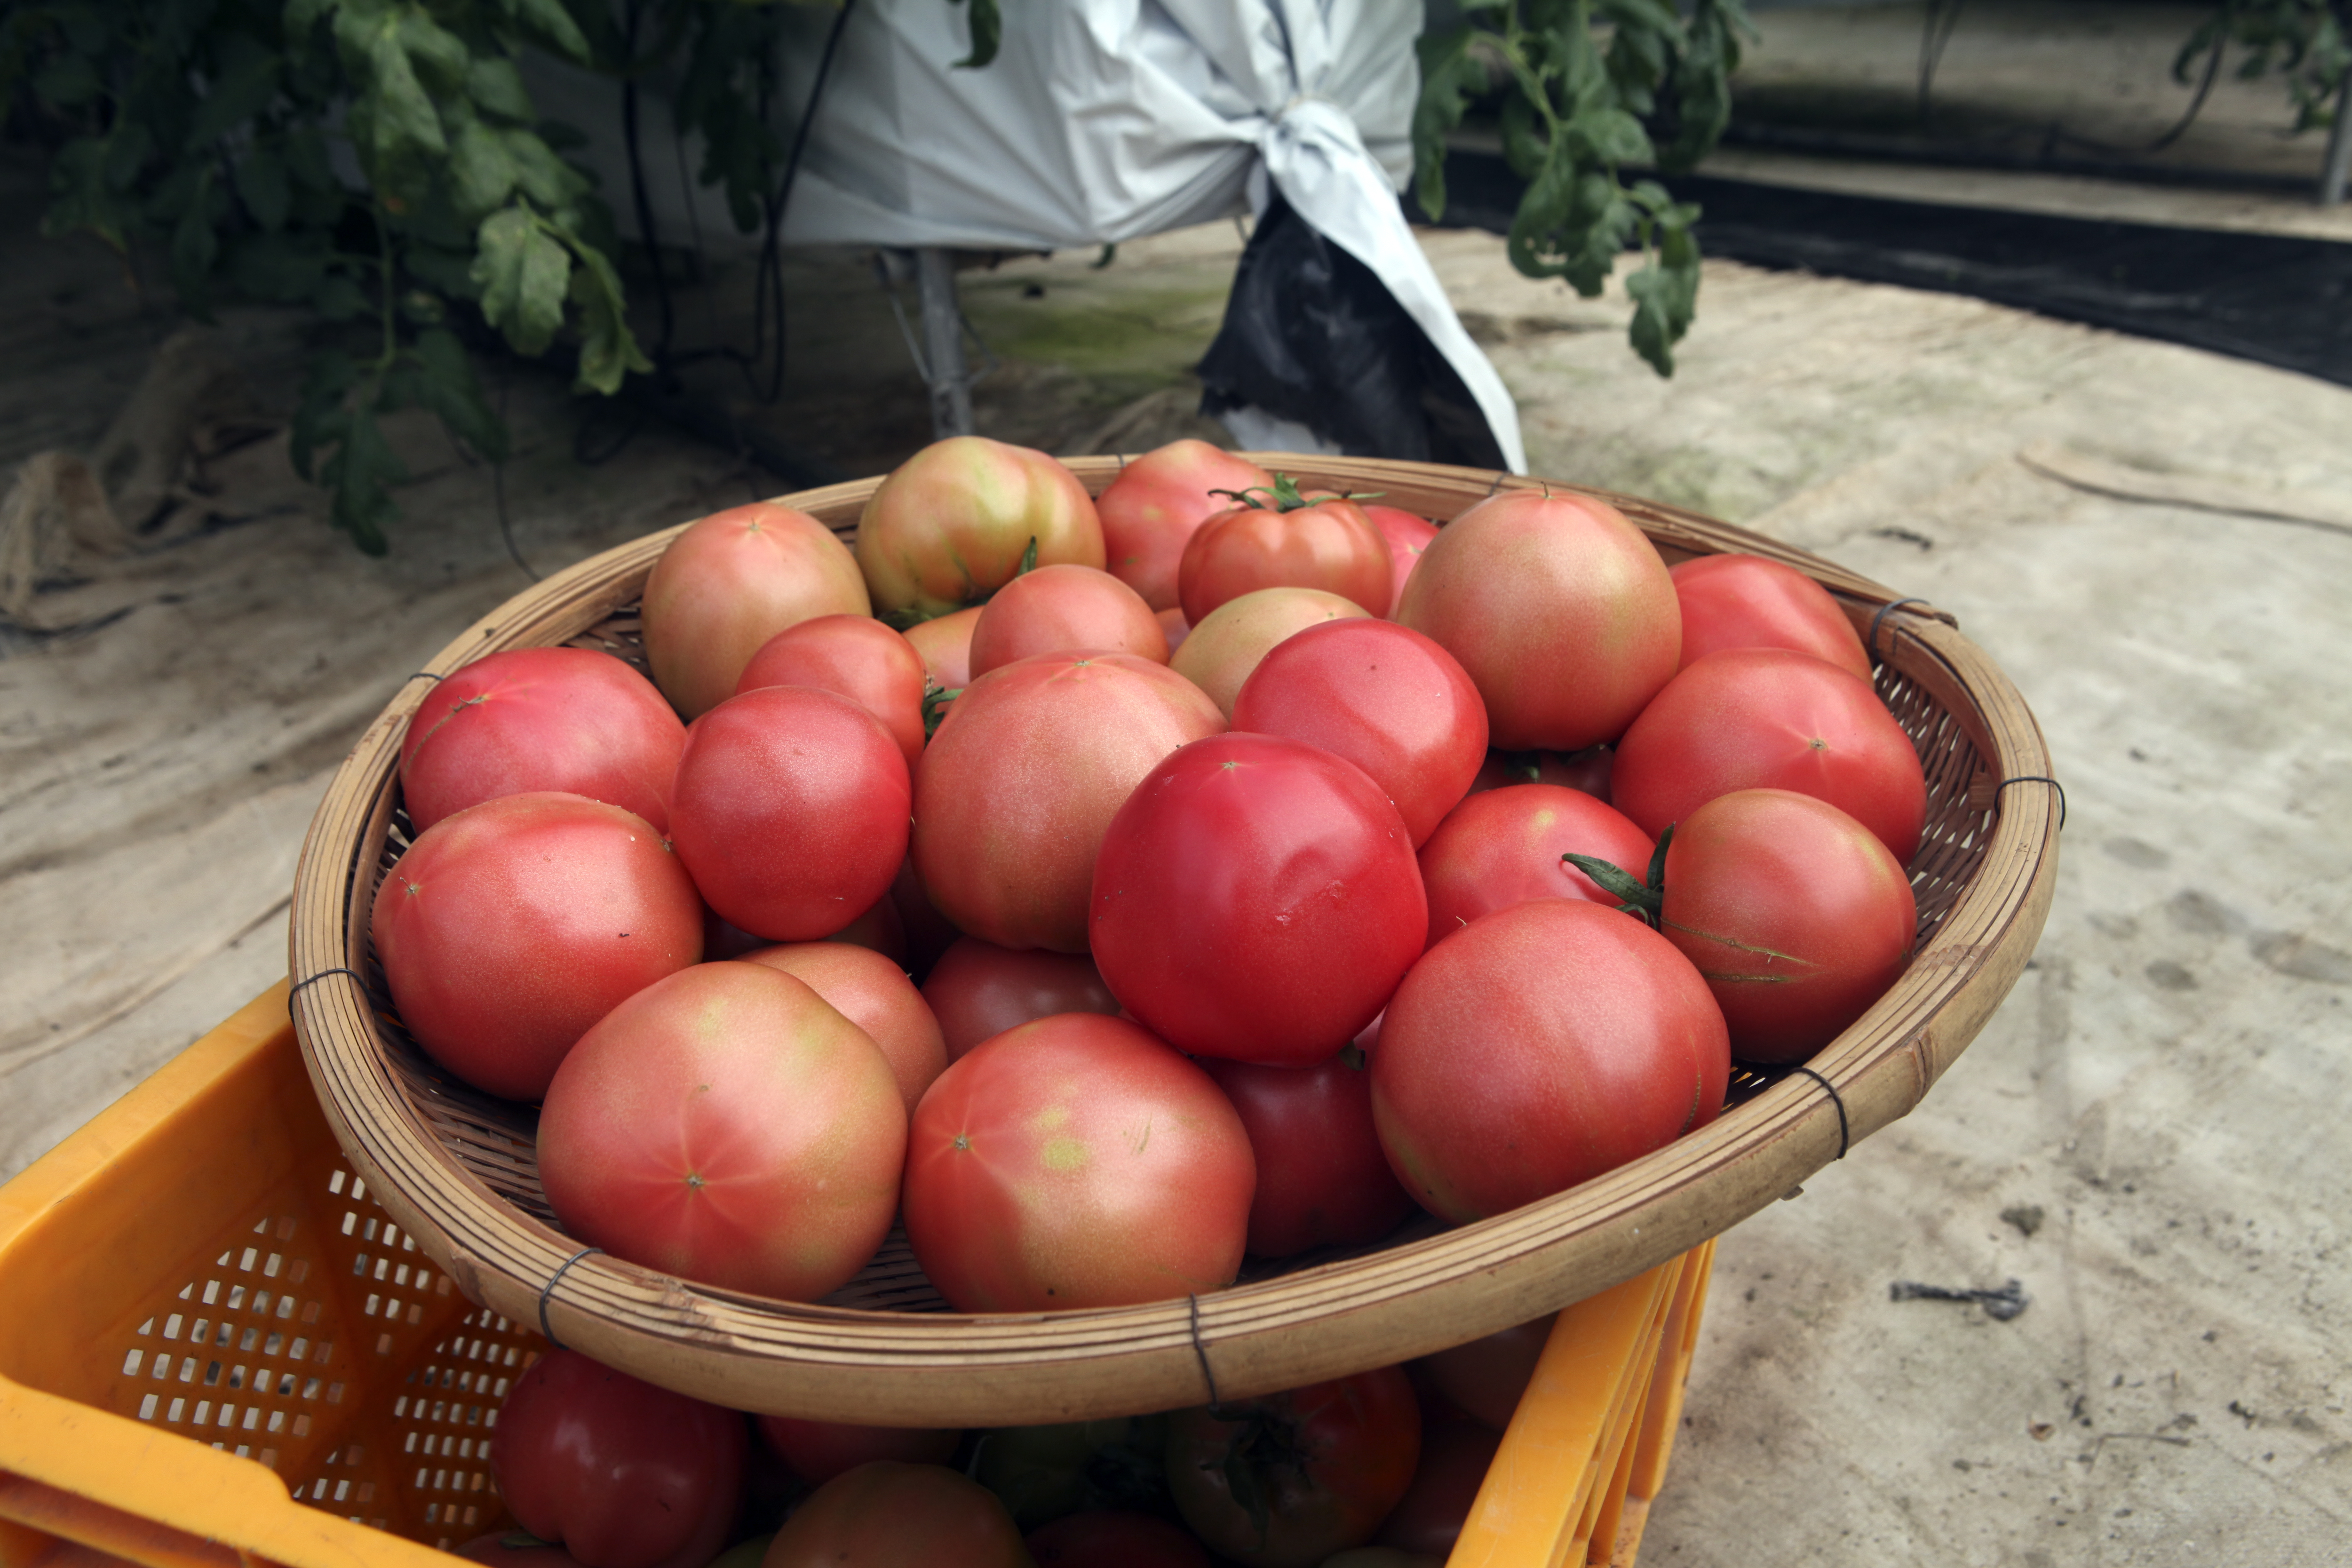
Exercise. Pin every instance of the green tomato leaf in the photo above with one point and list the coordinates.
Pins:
(341, 299)
(482, 172)
(286, 268)
(551, 184)
(318, 413)
(262, 186)
(126, 154)
(608, 350)
(447, 385)
(67, 83)
(495, 84)
(360, 477)
(301, 18)
(987, 32)
(1450, 77)
(441, 268)
(307, 161)
(522, 272)
(402, 121)
(79, 195)
(548, 22)
(234, 99)
(442, 61)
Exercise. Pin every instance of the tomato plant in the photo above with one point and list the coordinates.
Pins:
(730, 581)
(1771, 718)
(854, 657)
(729, 1126)
(1287, 1480)
(618, 1472)
(978, 990)
(1385, 698)
(1536, 1049)
(884, 1514)
(1524, 575)
(1076, 1161)
(1257, 899)
(962, 518)
(510, 927)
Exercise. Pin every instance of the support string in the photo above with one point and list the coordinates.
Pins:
(549, 1289)
(1877, 619)
(2035, 778)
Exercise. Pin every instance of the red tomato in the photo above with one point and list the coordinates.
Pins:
(729, 584)
(1522, 577)
(1408, 535)
(1218, 654)
(978, 990)
(880, 929)
(1327, 543)
(1538, 1048)
(816, 1451)
(791, 811)
(1586, 770)
(1151, 510)
(854, 657)
(1325, 1463)
(1503, 847)
(1486, 1377)
(1385, 698)
(888, 1515)
(1796, 914)
(945, 643)
(873, 992)
(953, 523)
(1029, 1187)
(1746, 601)
(567, 719)
(1768, 718)
(1061, 609)
(728, 1126)
(1019, 784)
(1115, 1540)
(619, 1472)
(1257, 899)
(1455, 1458)
(1322, 1179)
(510, 928)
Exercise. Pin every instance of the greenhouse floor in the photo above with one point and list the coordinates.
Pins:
(2155, 542)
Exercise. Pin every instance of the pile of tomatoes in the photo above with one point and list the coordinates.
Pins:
(1109, 889)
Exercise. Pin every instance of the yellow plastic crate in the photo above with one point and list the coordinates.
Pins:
(215, 1350)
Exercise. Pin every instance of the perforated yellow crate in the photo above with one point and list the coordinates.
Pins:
(215, 1350)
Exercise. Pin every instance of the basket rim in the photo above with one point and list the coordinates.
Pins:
(886, 1368)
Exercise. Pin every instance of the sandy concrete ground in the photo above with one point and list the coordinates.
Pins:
(2146, 1137)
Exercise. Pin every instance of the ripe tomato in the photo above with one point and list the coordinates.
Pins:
(1257, 899)
(1503, 847)
(1286, 543)
(1107, 1540)
(978, 990)
(1321, 1468)
(1076, 1161)
(1018, 785)
(1770, 719)
(729, 584)
(1385, 698)
(1796, 914)
(1408, 535)
(1061, 609)
(1486, 1378)
(1322, 1179)
(1218, 654)
(726, 1125)
(816, 1451)
(510, 928)
(854, 657)
(954, 523)
(873, 992)
(1455, 1458)
(619, 1472)
(1151, 511)
(791, 810)
(567, 718)
(888, 1515)
(1538, 1048)
(1746, 601)
(945, 643)
(1522, 577)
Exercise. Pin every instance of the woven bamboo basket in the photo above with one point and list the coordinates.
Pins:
(456, 1169)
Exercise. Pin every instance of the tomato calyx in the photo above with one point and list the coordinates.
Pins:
(935, 705)
(1283, 495)
(1264, 1450)
(1645, 899)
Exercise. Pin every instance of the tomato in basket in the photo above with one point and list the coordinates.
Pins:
(1055, 609)
(1276, 537)
(618, 1472)
(1746, 601)
(856, 656)
(1322, 1179)
(1151, 511)
(1218, 654)
(885, 1514)
(816, 1451)
(730, 581)
(960, 518)
(978, 990)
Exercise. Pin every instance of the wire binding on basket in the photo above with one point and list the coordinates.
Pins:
(1871, 642)
(1844, 1140)
(549, 1289)
(1192, 1305)
(424, 675)
(2035, 778)
(295, 989)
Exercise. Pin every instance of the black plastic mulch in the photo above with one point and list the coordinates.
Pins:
(2276, 299)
